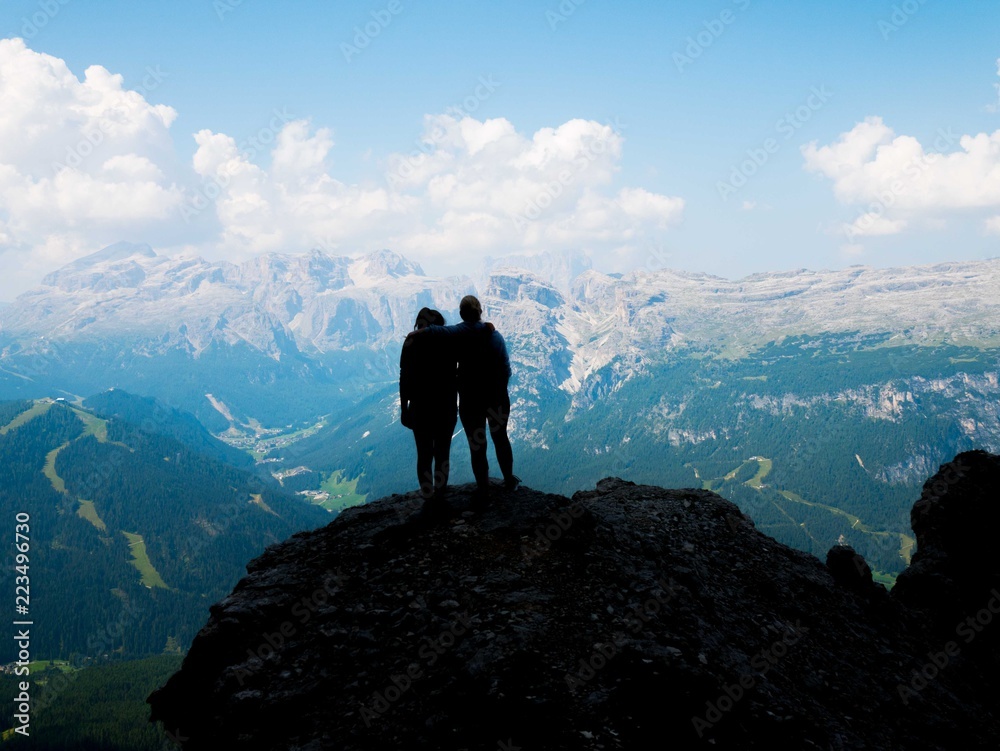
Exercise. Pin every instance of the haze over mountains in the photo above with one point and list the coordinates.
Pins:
(316, 303)
(818, 401)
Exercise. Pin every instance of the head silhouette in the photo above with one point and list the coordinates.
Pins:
(428, 317)
(470, 309)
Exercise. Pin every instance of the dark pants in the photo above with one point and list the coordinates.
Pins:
(476, 414)
(433, 439)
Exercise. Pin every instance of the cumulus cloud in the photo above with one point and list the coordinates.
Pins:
(473, 188)
(296, 205)
(86, 162)
(872, 224)
(896, 182)
(82, 162)
(484, 188)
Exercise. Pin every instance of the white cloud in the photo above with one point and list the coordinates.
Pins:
(84, 163)
(896, 182)
(643, 206)
(299, 156)
(486, 189)
(872, 224)
(474, 188)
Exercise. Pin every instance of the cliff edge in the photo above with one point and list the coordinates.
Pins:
(625, 617)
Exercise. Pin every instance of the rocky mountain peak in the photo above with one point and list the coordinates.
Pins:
(511, 285)
(383, 264)
(87, 271)
(624, 614)
(558, 268)
(116, 252)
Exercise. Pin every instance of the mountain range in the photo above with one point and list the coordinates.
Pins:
(818, 401)
(286, 306)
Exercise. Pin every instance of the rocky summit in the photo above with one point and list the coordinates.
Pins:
(625, 617)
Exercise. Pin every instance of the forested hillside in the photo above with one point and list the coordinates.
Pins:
(99, 708)
(133, 534)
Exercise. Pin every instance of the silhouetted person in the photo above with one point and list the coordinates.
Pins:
(483, 376)
(428, 397)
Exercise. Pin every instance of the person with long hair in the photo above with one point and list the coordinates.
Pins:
(428, 396)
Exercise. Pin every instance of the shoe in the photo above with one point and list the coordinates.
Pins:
(511, 483)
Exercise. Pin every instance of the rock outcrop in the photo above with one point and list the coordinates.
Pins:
(627, 617)
(956, 522)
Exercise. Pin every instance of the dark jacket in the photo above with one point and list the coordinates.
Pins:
(483, 363)
(428, 384)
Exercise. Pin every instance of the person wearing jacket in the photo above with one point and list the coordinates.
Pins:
(428, 399)
(484, 400)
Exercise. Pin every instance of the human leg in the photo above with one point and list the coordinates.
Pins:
(442, 456)
(498, 415)
(474, 423)
(424, 438)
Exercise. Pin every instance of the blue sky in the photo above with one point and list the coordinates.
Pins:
(690, 90)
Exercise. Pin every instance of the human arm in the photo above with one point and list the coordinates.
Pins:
(406, 380)
(503, 358)
(457, 329)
